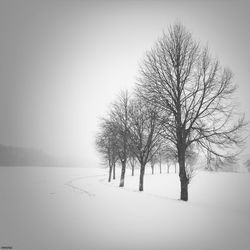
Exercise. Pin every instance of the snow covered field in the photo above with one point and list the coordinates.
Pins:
(75, 208)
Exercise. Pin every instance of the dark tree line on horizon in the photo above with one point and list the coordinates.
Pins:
(182, 106)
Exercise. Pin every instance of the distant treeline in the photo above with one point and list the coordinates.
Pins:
(18, 156)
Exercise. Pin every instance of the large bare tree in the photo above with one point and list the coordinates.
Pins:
(194, 93)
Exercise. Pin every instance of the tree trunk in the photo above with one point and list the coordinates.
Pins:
(184, 189)
(168, 168)
(183, 177)
(152, 166)
(175, 168)
(122, 179)
(142, 170)
(114, 171)
(132, 163)
(110, 172)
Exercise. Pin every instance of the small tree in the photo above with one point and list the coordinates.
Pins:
(106, 145)
(144, 134)
(120, 120)
(152, 163)
(160, 153)
(132, 161)
(159, 157)
(169, 156)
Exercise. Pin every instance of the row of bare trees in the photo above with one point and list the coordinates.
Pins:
(130, 132)
(183, 105)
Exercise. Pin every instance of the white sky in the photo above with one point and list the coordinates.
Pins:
(63, 62)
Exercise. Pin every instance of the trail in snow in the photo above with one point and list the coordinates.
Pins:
(86, 183)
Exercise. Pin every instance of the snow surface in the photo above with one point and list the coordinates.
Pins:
(76, 208)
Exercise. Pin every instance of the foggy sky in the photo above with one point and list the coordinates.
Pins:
(63, 62)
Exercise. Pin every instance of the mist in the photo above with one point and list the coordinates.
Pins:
(63, 62)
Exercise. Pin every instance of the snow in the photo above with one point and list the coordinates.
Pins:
(76, 208)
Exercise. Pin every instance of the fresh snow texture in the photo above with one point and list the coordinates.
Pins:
(76, 208)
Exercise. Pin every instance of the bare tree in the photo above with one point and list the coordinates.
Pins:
(152, 163)
(106, 145)
(160, 157)
(194, 94)
(160, 160)
(169, 155)
(132, 161)
(144, 134)
(119, 118)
